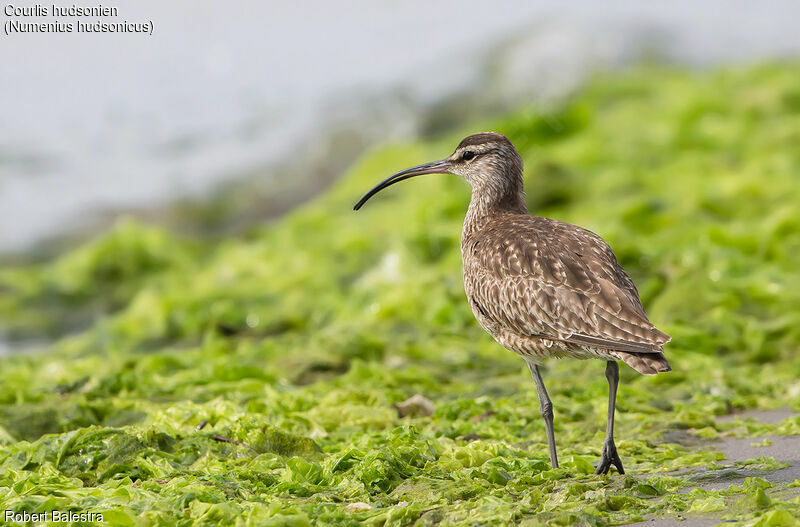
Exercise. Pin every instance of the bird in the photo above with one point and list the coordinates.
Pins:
(540, 287)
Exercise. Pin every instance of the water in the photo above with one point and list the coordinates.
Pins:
(93, 123)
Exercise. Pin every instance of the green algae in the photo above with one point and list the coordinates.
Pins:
(253, 381)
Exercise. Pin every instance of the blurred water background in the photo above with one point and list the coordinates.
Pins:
(264, 103)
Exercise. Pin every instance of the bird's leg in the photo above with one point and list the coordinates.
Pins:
(546, 409)
(610, 456)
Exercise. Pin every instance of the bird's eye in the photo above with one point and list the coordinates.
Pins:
(469, 154)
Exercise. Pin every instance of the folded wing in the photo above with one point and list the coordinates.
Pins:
(547, 278)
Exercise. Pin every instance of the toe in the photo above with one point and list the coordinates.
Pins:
(608, 459)
(604, 465)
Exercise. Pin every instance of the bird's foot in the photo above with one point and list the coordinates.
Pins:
(609, 457)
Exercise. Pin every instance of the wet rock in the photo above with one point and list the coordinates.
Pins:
(359, 506)
(415, 406)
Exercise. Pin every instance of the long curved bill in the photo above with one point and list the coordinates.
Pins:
(436, 167)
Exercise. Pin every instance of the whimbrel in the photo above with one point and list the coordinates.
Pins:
(543, 288)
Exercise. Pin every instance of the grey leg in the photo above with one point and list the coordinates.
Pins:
(610, 456)
(546, 409)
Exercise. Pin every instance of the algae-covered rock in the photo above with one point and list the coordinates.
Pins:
(286, 445)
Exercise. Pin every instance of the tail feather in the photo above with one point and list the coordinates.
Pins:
(646, 363)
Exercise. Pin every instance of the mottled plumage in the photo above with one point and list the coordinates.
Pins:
(543, 288)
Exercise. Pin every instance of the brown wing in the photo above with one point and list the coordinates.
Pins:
(542, 277)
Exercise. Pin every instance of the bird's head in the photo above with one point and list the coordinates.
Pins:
(488, 161)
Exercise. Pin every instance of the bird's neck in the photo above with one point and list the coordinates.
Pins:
(486, 204)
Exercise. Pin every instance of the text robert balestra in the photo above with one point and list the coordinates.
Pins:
(52, 516)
